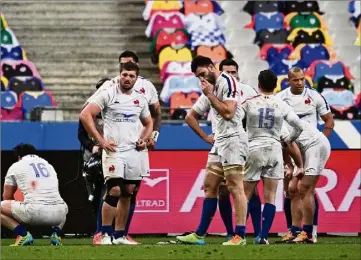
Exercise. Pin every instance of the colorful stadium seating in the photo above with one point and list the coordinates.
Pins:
(18, 76)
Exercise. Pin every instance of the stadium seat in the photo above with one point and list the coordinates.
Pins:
(304, 20)
(321, 68)
(15, 114)
(344, 36)
(254, 7)
(19, 85)
(175, 68)
(170, 54)
(162, 20)
(201, 7)
(9, 99)
(234, 39)
(11, 53)
(179, 84)
(179, 37)
(8, 38)
(309, 35)
(31, 99)
(338, 82)
(216, 54)
(153, 7)
(245, 53)
(261, 21)
(182, 100)
(341, 102)
(4, 83)
(308, 53)
(336, 21)
(236, 21)
(22, 68)
(301, 7)
(282, 66)
(274, 52)
(271, 36)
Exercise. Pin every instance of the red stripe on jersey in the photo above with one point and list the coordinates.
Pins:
(250, 98)
(234, 87)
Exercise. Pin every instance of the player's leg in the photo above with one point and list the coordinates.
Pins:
(98, 235)
(109, 208)
(296, 208)
(133, 202)
(122, 214)
(315, 159)
(255, 210)
(287, 203)
(12, 213)
(214, 176)
(225, 209)
(59, 222)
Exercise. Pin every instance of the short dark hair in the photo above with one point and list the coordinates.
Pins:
(129, 66)
(22, 150)
(101, 82)
(200, 61)
(267, 80)
(129, 54)
(228, 62)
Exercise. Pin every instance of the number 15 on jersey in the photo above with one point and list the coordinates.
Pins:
(266, 118)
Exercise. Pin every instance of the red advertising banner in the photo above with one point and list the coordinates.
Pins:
(170, 200)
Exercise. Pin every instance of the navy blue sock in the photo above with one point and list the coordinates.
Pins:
(268, 215)
(208, 211)
(315, 216)
(255, 211)
(118, 234)
(287, 210)
(99, 217)
(130, 216)
(240, 231)
(108, 230)
(225, 209)
(20, 230)
(308, 230)
(295, 230)
(56, 230)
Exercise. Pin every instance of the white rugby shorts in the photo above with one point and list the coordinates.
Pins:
(315, 157)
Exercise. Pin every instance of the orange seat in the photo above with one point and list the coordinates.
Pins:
(216, 54)
(198, 7)
(182, 100)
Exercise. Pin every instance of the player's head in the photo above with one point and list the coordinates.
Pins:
(267, 81)
(296, 79)
(101, 82)
(204, 68)
(230, 66)
(22, 150)
(127, 56)
(128, 75)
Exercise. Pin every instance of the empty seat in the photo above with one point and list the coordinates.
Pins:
(20, 84)
(15, 114)
(23, 68)
(31, 99)
(9, 99)
(179, 84)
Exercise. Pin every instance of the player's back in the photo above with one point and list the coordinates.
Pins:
(37, 179)
(265, 114)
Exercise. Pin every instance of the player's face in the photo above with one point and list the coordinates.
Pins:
(206, 73)
(297, 81)
(126, 59)
(127, 79)
(231, 70)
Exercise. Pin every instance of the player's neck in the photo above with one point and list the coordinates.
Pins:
(126, 91)
(296, 91)
(266, 93)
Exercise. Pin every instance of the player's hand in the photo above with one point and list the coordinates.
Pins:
(289, 171)
(209, 139)
(300, 172)
(140, 145)
(108, 146)
(206, 87)
(95, 149)
(151, 144)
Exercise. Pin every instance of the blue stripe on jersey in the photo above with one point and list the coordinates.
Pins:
(327, 106)
(229, 85)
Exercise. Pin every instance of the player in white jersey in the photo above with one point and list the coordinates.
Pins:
(265, 114)
(308, 105)
(42, 204)
(230, 149)
(122, 108)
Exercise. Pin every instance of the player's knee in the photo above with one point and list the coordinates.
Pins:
(223, 193)
(111, 200)
(304, 189)
(210, 189)
(115, 191)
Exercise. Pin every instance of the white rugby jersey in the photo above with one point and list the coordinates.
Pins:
(203, 105)
(308, 137)
(227, 88)
(121, 114)
(308, 105)
(36, 178)
(265, 115)
(247, 91)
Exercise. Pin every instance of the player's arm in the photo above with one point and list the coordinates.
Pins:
(291, 149)
(10, 185)
(324, 111)
(146, 119)
(199, 108)
(87, 117)
(297, 126)
(156, 113)
(84, 138)
(226, 108)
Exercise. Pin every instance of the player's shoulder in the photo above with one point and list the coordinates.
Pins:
(227, 80)
(14, 168)
(283, 93)
(252, 99)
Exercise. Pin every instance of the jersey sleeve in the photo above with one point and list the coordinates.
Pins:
(202, 105)
(102, 99)
(293, 120)
(228, 88)
(145, 112)
(10, 177)
(153, 94)
(321, 104)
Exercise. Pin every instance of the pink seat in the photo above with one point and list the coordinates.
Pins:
(22, 68)
(15, 114)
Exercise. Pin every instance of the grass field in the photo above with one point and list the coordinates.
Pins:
(75, 248)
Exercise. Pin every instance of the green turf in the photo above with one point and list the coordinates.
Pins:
(327, 248)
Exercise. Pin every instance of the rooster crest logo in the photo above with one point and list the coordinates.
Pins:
(136, 102)
(111, 168)
(308, 101)
(142, 90)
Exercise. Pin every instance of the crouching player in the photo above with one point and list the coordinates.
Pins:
(42, 205)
